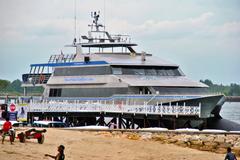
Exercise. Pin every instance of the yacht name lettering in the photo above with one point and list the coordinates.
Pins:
(78, 79)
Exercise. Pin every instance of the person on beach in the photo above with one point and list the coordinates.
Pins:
(112, 125)
(6, 130)
(60, 155)
(230, 155)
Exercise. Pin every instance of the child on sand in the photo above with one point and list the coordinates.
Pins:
(60, 155)
(230, 155)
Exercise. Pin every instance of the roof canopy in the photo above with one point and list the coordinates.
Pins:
(107, 45)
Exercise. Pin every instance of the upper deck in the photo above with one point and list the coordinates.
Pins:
(100, 48)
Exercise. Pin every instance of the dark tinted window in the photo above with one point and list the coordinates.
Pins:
(76, 71)
(92, 92)
(55, 92)
(146, 70)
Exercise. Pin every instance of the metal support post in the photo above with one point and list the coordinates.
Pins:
(132, 122)
(119, 121)
(159, 121)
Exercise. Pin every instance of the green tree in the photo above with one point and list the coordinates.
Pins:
(234, 90)
(4, 84)
(16, 86)
(207, 82)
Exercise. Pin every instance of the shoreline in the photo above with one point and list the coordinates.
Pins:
(217, 142)
(92, 145)
(183, 131)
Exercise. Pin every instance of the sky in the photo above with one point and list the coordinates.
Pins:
(202, 37)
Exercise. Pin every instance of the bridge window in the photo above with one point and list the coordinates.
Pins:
(146, 70)
(55, 92)
(77, 71)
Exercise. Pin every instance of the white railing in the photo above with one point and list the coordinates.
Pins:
(116, 108)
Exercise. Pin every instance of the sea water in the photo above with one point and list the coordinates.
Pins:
(231, 111)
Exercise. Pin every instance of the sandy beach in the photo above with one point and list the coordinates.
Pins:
(94, 146)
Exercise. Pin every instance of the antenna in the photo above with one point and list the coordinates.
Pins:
(95, 15)
(75, 20)
(104, 8)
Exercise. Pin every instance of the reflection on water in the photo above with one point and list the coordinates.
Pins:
(231, 111)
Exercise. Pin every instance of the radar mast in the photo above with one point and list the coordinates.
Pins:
(95, 15)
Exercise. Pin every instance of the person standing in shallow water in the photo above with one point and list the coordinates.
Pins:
(230, 155)
(60, 155)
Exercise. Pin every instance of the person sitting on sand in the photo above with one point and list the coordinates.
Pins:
(60, 155)
(6, 130)
(230, 155)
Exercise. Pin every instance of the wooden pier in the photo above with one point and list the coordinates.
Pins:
(123, 116)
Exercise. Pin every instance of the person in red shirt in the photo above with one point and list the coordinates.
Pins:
(5, 129)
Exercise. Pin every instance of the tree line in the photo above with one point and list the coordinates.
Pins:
(14, 88)
(228, 90)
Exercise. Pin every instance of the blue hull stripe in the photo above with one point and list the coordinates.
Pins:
(69, 64)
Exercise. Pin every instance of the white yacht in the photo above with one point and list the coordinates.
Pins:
(106, 67)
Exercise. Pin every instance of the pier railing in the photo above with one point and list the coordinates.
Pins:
(158, 109)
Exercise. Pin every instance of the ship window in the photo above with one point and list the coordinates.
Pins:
(92, 92)
(151, 72)
(55, 93)
(76, 71)
(160, 72)
(147, 70)
(128, 71)
(117, 71)
(179, 71)
(170, 72)
(138, 72)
